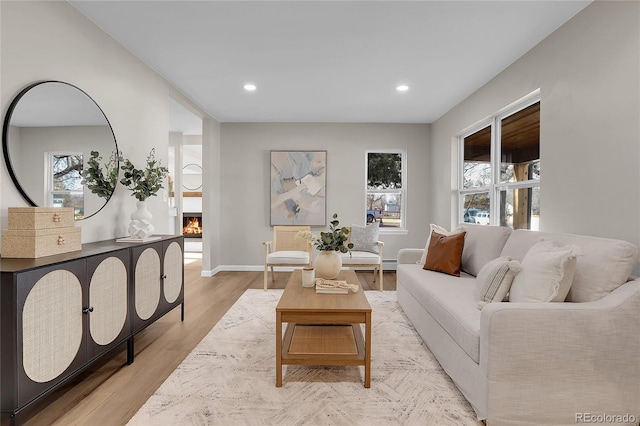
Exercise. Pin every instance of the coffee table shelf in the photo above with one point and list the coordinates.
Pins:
(311, 344)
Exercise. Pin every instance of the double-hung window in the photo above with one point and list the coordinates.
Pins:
(386, 187)
(499, 179)
(65, 187)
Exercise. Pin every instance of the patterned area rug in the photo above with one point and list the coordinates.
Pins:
(229, 378)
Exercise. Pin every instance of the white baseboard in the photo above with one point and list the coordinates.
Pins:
(242, 268)
(387, 265)
(210, 273)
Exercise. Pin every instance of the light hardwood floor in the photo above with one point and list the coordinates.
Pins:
(111, 392)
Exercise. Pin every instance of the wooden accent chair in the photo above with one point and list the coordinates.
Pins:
(286, 250)
(365, 260)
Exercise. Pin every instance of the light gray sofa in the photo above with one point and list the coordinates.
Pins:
(534, 363)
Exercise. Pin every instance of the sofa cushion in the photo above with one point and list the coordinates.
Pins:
(482, 244)
(494, 280)
(445, 253)
(440, 230)
(365, 238)
(449, 300)
(360, 258)
(546, 275)
(605, 264)
(567, 280)
(286, 257)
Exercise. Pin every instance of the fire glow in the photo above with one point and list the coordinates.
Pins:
(193, 226)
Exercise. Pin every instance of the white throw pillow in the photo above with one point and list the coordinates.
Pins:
(365, 238)
(440, 230)
(494, 280)
(546, 274)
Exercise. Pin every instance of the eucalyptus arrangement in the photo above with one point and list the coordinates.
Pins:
(99, 182)
(146, 182)
(334, 240)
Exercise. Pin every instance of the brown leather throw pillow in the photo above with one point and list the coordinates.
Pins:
(445, 253)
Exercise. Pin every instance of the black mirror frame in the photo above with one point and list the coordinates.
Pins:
(5, 140)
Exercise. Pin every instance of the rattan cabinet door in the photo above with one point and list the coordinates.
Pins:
(173, 273)
(108, 297)
(146, 284)
(50, 323)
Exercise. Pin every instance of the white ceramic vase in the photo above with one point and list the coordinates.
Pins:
(328, 264)
(140, 226)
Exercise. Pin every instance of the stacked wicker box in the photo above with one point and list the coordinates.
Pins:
(40, 231)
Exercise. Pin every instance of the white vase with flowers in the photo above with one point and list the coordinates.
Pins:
(143, 183)
(330, 244)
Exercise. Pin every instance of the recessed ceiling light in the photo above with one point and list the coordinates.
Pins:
(402, 88)
(249, 87)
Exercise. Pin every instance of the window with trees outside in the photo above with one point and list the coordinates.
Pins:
(499, 183)
(386, 188)
(65, 182)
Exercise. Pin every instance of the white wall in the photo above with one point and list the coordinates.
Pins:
(211, 197)
(53, 41)
(589, 75)
(245, 177)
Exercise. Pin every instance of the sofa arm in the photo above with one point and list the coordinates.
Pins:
(409, 255)
(548, 362)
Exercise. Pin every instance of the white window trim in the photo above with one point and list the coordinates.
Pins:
(496, 186)
(402, 230)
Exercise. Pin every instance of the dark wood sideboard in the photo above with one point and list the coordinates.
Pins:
(59, 314)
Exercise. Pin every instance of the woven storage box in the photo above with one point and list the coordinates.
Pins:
(32, 243)
(40, 217)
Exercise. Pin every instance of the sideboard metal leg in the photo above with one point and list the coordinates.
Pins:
(130, 351)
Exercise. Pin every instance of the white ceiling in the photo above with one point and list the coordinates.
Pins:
(329, 61)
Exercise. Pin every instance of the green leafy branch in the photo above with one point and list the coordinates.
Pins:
(335, 239)
(146, 182)
(98, 182)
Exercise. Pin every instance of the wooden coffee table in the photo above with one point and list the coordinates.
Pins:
(323, 329)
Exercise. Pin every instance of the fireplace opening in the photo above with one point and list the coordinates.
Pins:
(192, 225)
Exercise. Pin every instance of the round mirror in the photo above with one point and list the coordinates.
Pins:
(54, 134)
(192, 177)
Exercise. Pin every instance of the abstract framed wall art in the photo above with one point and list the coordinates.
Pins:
(298, 188)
